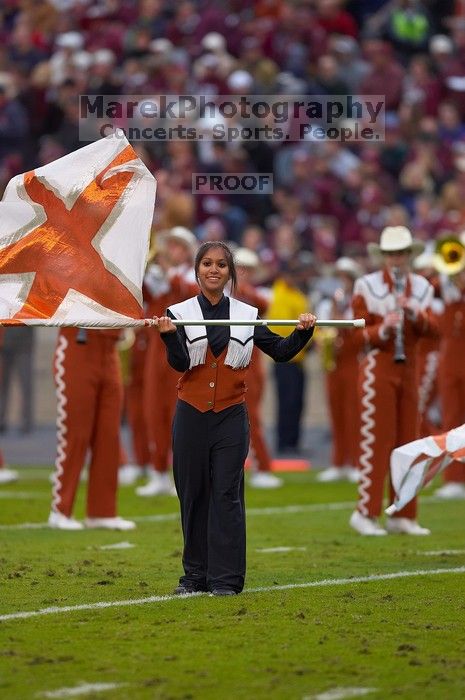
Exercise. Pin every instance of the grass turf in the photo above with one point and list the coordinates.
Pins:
(402, 637)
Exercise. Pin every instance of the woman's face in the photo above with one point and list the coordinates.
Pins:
(213, 272)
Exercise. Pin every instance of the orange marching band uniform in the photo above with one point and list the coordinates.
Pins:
(259, 454)
(340, 349)
(387, 389)
(89, 393)
(162, 288)
(452, 373)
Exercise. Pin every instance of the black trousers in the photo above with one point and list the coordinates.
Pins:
(209, 451)
(290, 384)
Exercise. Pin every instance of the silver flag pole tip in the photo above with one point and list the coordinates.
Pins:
(359, 323)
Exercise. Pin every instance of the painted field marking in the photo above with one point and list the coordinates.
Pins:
(168, 517)
(264, 589)
(341, 694)
(118, 545)
(23, 495)
(441, 552)
(278, 550)
(274, 510)
(83, 689)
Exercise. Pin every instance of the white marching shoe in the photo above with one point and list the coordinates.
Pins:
(405, 526)
(7, 475)
(451, 490)
(159, 483)
(129, 473)
(338, 474)
(115, 523)
(365, 526)
(59, 521)
(330, 474)
(264, 480)
(351, 474)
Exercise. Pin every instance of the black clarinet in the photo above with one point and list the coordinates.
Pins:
(81, 336)
(399, 288)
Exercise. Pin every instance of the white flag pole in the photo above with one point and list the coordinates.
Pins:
(321, 323)
(138, 322)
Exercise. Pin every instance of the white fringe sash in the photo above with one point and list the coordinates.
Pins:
(240, 344)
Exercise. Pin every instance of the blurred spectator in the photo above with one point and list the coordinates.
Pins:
(17, 365)
(288, 301)
(408, 27)
(386, 74)
(13, 123)
(334, 19)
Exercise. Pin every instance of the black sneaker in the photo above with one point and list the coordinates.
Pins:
(223, 591)
(188, 589)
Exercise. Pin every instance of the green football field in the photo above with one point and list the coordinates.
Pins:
(326, 614)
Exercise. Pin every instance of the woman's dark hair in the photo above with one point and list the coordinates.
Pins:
(203, 250)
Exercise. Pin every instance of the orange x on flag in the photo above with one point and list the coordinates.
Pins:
(74, 238)
(415, 464)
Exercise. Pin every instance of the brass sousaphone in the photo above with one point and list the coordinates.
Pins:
(449, 255)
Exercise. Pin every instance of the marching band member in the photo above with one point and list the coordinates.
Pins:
(247, 262)
(135, 415)
(428, 356)
(210, 429)
(340, 353)
(89, 392)
(452, 351)
(396, 306)
(167, 282)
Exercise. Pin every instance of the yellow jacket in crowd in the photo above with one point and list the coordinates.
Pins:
(287, 301)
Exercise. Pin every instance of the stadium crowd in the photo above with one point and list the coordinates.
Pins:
(329, 198)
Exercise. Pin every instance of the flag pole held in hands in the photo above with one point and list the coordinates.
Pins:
(137, 322)
(338, 323)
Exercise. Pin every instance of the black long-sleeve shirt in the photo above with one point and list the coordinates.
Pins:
(278, 348)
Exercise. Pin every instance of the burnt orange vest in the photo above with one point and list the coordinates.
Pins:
(213, 386)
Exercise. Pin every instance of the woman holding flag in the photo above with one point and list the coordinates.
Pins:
(211, 428)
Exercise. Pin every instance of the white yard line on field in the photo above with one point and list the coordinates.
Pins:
(440, 552)
(83, 689)
(278, 550)
(274, 510)
(118, 545)
(341, 694)
(21, 615)
(167, 517)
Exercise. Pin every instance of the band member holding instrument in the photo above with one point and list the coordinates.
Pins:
(340, 349)
(396, 305)
(210, 428)
(449, 260)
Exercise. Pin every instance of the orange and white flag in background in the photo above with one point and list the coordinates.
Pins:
(74, 239)
(415, 464)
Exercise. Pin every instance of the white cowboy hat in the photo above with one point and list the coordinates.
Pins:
(349, 267)
(182, 234)
(393, 239)
(244, 257)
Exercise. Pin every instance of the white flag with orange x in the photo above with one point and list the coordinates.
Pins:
(415, 464)
(74, 239)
